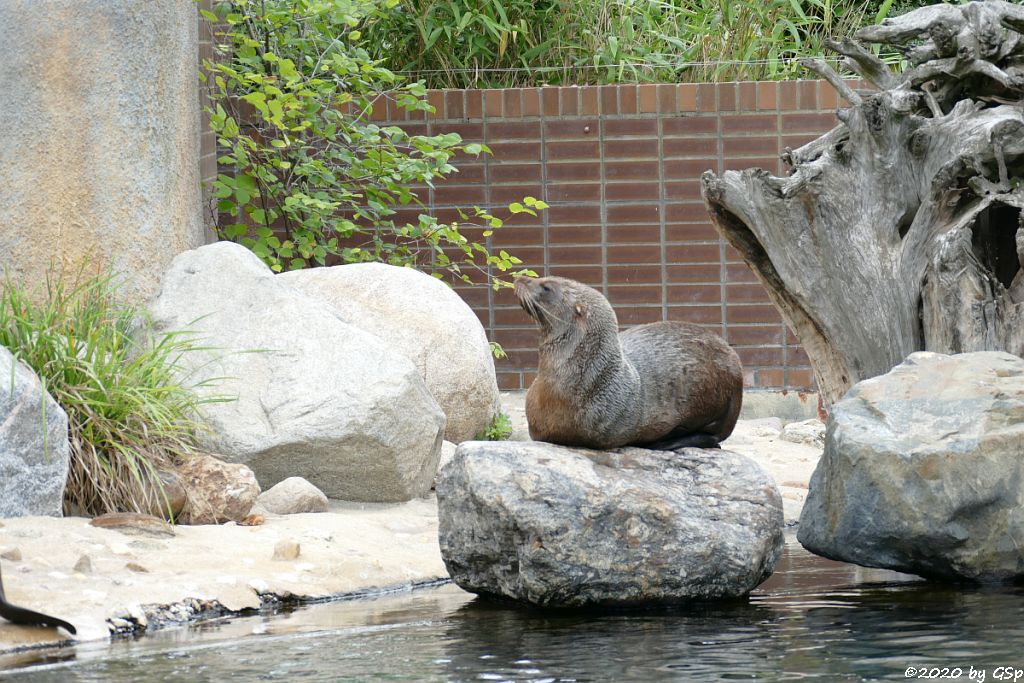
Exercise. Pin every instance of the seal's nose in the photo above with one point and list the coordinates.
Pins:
(521, 285)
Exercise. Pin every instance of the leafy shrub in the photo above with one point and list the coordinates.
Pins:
(504, 43)
(314, 179)
(128, 419)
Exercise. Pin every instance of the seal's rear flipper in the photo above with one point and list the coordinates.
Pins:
(671, 442)
(26, 617)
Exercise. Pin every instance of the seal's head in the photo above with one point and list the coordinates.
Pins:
(561, 306)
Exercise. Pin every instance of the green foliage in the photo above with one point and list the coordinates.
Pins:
(504, 43)
(499, 429)
(315, 180)
(128, 418)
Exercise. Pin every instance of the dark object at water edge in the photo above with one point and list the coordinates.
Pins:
(26, 617)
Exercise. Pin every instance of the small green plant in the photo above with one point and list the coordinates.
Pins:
(499, 429)
(497, 351)
(128, 418)
(311, 177)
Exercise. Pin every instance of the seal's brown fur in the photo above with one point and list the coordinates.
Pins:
(663, 385)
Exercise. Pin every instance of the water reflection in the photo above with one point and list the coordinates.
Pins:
(812, 619)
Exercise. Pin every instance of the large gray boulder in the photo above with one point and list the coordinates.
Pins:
(101, 126)
(923, 470)
(34, 448)
(315, 397)
(425, 320)
(567, 527)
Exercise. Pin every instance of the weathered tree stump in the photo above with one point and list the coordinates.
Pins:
(899, 230)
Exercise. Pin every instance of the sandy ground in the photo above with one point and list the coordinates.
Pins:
(132, 581)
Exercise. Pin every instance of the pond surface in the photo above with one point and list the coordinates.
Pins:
(814, 619)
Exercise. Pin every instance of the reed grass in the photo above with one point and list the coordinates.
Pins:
(509, 43)
(129, 417)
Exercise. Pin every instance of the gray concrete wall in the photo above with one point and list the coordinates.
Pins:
(99, 138)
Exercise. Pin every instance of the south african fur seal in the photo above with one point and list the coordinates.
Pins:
(662, 386)
(26, 617)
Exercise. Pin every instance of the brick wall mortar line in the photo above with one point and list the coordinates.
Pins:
(778, 148)
(722, 268)
(662, 230)
(600, 119)
(490, 205)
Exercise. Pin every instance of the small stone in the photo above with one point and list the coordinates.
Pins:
(12, 554)
(218, 491)
(119, 624)
(292, 496)
(136, 567)
(134, 524)
(810, 432)
(84, 565)
(138, 614)
(286, 550)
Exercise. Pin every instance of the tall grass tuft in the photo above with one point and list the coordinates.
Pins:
(128, 417)
(509, 43)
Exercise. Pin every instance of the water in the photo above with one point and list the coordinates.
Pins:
(814, 619)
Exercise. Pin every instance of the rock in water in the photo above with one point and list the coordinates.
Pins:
(316, 398)
(423, 319)
(923, 470)
(566, 527)
(34, 448)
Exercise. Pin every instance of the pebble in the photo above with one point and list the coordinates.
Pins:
(84, 565)
(136, 567)
(138, 614)
(12, 554)
(286, 550)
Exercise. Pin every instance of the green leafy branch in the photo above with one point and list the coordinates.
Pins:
(310, 178)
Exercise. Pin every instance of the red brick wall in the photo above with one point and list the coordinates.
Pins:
(620, 167)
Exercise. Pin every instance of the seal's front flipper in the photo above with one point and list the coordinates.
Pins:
(26, 617)
(673, 441)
